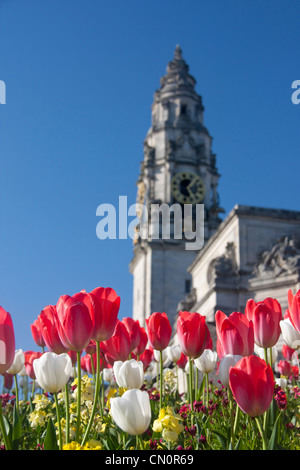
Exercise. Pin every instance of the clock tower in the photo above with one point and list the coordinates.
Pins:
(178, 170)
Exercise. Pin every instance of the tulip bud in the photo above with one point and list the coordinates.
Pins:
(207, 361)
(132, 411)
(281, 382)
(18, 364)
(129, 374)
(193, 334)
(290, 335)
(7, 341)
(174, 353)
(159, 330)
(53, 371)
(226, 362)
(108, 374)
(252, 383)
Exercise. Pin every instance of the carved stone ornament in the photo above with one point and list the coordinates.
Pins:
(223, 266)
(283, 258)
(186, 304)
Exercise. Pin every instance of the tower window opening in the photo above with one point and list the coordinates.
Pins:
(187, 286)
(183, 109)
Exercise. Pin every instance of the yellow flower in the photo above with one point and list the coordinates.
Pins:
(169, 423)
(90, 445)
(72, 446)
(169, 435)
(93, 445)
(111, 393)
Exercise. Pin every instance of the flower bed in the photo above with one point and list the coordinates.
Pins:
(99, 383)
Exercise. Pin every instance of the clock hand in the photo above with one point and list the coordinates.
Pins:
(192, 182)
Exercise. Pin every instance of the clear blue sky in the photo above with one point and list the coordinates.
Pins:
(80, 78)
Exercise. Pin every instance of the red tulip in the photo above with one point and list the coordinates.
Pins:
(36, 331)
(133, 328)
(89, 361)
(295, 372)
(7, 341)
(287, 352)
(252, 383)
(73, 356)
(266, 317)
(143, 342)
(159, 330)
(30, 356)
(91, 347)
(146, 358)
(8, 380)
(117, 347)
(182, 361)
(75, 325)
(49, 329)
(285, 368)
(193, 334)
(104, 308)
(294, 308)
(235, 334)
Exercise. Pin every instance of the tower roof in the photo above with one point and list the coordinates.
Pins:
(177, 77)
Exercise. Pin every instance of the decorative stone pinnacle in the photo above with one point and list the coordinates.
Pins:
(178, 53)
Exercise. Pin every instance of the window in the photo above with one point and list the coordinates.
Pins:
(183, 109)
(187, 286)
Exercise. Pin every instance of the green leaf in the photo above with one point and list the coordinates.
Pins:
(50, 442)
(8, 430)
(221, 438)
(274, 436)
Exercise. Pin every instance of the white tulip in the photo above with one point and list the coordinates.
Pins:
(18, 363)
(289, 333)
(261, 353)
(129, 374)
(230, 360)
(23, 372)
(174, 353)
(108, 374)
(132, 411)
(281, 382)
(53, 371)
(166, 360)
(187, 367)
(207, 361)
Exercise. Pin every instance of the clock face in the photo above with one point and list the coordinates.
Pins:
(187, 188)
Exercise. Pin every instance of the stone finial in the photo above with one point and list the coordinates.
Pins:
(178, 53)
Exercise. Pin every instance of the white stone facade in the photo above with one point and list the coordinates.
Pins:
(253, 253)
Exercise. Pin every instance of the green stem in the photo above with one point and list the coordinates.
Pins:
(191, 383)
(97, 389)
(237, 414)
(78, 396)
(2, 425)
(93, 369)
(32, 388)
(231, 414)
(196, 382)
(266, 355)
(207, 390)
(271, 359)
(17, 392)
(177, 394)
(262, 432)
(58, 421)
(139, 443)
(161, 379)
(67, 414)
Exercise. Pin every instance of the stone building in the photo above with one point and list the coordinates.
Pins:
(253, 253)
